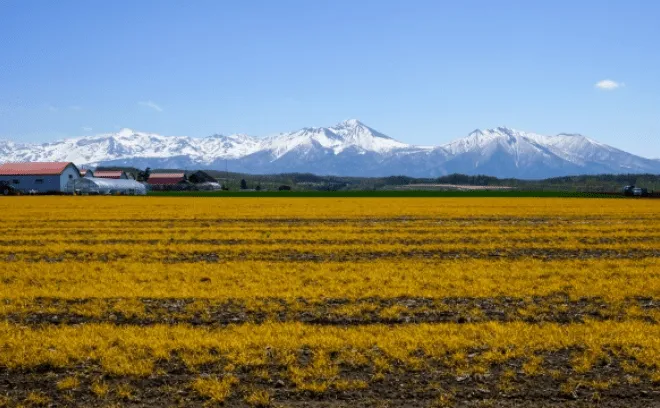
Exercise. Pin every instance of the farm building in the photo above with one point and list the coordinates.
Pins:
(166, 178)
(111, 174)
(86, 173)
(204, 181)
(44, 177)
(168, 181)
(105, 186)
(201, 177)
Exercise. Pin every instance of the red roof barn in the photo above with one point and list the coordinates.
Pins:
(39, 177)
(166, 178)
(34, 169)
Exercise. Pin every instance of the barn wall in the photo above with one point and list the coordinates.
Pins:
(27, 183)
(69, 173)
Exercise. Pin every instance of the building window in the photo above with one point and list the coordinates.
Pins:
(70, 176)
(39, 181)
(16, 181)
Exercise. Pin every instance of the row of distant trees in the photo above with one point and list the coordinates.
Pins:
(244, 186)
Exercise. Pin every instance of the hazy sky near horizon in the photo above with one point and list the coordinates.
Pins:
(423, 72)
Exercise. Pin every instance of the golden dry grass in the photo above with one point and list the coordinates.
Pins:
(613, 279)
(269, 264)
(133, 350)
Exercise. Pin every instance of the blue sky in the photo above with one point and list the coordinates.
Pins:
(423, 72)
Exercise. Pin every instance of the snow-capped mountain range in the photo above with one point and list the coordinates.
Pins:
(349, 148)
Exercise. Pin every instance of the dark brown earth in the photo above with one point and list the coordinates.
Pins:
(503, 385)
(339, 255)
(427, 239)
(405, 310)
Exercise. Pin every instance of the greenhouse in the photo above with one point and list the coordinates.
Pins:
(93, 185)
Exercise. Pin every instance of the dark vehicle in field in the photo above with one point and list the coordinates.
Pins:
(632, 191)
(640, 192)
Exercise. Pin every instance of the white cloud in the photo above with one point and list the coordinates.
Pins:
(75, 107)
(609, 85)
(87, 129)
(51, 108)
(151, 104)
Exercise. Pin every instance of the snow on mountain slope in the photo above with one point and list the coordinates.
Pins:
(515, 142)
(232, 146)
(534, 152)
(355, 133)
(130, 144)
(348, 134)
(348, 148)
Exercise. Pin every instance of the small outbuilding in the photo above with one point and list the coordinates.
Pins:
(201, 177)
(39, 177)
(111, 174)
(203, 181)
(86, 173)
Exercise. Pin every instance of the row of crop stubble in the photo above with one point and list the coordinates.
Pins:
(180, 301)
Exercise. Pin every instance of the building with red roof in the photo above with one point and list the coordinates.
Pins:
(111, 174)
(38, 177)
(167, 181)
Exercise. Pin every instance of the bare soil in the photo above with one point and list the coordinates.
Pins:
(434, 385)
(405, 310)
(340, 256)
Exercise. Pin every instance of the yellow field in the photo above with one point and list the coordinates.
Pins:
(257, 301)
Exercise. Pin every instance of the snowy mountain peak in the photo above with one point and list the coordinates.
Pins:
(351, 123)
(506, 130)
(125, 132)
(347, 148)
(350, 135)
(496, 132)
(479, 139)
(570, 134)
(355, 124)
